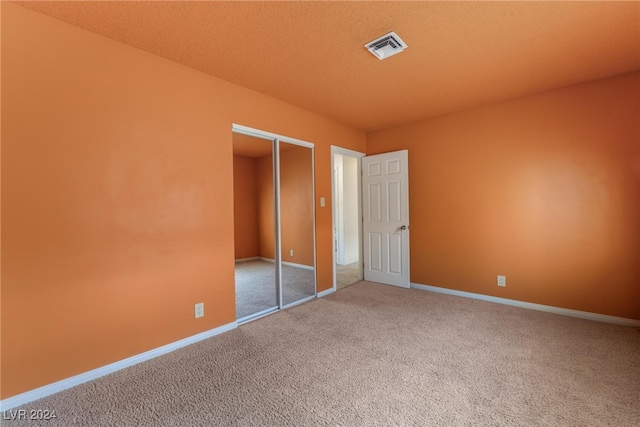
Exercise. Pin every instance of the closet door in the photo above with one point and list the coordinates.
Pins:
(296, 220)
(254, 226)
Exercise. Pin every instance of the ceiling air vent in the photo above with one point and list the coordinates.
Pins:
(386, 46)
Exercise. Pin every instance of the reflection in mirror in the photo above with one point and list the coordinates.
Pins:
(296, 222)
(254, 226)
(347, 220)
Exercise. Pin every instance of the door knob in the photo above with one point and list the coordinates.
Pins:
(404, 227)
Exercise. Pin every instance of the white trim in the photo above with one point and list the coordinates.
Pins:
(277, 224)
(253, 258)
(293, 264)
(263, 134)
(326, 292)
(346, 152)
(61, 385)
(532, 306)
(313, 218)
(337, 207)
(256, 316)
(290, 264)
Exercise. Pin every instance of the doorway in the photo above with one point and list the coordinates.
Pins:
(347, 225)
(382, 198)
(274, 222)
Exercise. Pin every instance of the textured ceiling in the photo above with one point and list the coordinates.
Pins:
(310, 54)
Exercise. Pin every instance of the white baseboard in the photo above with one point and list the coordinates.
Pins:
(61, 385)
(290, 264)
(540, 307)
(253, 258)
(293, 264)
(326, 292)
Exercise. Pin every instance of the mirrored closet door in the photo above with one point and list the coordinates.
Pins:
(254, 225)
(274, 224)
(296, 222)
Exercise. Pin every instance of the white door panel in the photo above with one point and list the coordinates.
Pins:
(386, 218)
(375, 258)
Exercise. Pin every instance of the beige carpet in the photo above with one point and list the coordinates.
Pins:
(378, 355)
(256, 286)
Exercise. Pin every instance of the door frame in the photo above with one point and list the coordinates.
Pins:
(358, 155)
(277, 138)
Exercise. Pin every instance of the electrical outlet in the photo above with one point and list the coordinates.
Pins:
(502, 281)
(291, 252)
(199, 311)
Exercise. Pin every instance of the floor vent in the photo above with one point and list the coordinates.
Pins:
(386, 46)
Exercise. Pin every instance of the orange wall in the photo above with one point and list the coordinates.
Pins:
(245, 207)
(117, 189)
(544, 189)
(266, 216)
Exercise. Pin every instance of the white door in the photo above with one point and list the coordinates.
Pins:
(385, 225)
